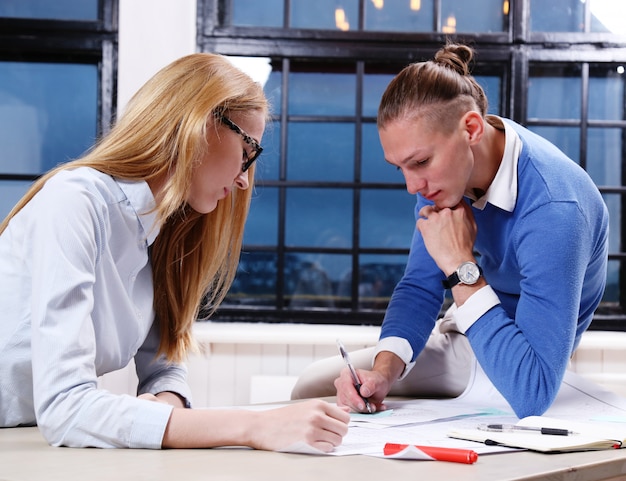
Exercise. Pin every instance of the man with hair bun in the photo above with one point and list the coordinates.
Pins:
(505, 220)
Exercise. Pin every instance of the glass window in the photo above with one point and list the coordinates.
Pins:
(320, 151)
(325, 14)
(409, 16)
(331, 222)
(252, 13)
(557, 15)
(312, 280)
(262, 222)
(374, 85)
(374, 168)
(387, 218)
(613, 289)
(378, 275)
(268, 163)
(604, 155)
(554, 92)
(320, 93)
(565, 138)
(319, 217)
(12, 191)
(47, 9)
(48, 114)
(255, 283)
(606, 92)
(462, 16)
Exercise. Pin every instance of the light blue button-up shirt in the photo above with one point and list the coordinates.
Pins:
(76, 302)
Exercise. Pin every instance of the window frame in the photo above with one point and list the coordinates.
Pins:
(516, 49)
(68, 41)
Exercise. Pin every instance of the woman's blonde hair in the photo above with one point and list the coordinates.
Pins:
(440, 90)
(162, 135)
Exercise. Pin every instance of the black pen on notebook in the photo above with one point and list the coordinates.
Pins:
(355, 378)
(509, 428)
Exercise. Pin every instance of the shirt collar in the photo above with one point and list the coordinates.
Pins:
(142, 202)
(502, 192)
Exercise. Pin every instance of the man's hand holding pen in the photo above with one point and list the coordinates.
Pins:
(348, 395)
(375, 384)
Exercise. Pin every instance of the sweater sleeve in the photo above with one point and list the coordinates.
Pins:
(417, 299)
(525, 356)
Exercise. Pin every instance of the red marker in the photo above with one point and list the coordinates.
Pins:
(466, 456)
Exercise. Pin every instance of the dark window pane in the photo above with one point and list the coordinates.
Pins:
(312, 280)
(491, 86)
(320, 151)
(554, 92)
(557, 16)
(50, 9)
(315, 93)
(606, 93)
(48, 114)
(273, 90)
(268, 13)
(373, 87)
(255, 283)
(604, 156)
(387, 218)
(325, 14)
(267, 165)
(461, 15)
(378, 276)
(613, 202)
(12, 191)
(374, 168)
(408, 16)
(262, 222)
(319, 217)
(612, 291)
(565, 138)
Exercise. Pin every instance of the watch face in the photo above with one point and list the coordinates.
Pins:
(468, 273)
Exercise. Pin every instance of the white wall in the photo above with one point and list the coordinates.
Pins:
(152, 33)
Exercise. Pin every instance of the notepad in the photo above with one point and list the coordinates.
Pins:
(588, 436)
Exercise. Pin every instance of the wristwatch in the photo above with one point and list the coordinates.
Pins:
(467, 273)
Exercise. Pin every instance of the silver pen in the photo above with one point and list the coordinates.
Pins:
(509, 428)
(355, 378)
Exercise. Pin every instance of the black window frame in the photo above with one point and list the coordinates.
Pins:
(516, 49)
(73, 42)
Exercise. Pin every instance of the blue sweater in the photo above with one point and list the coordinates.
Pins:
(547, 263)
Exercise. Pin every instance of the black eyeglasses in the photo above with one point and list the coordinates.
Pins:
(256, 148)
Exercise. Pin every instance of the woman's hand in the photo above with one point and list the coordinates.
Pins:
(316, 422)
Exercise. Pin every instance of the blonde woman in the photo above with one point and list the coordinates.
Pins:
(108, 258)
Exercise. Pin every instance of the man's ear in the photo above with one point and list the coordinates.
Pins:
(474, 125)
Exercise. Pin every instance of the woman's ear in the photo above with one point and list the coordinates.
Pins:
(474, 125)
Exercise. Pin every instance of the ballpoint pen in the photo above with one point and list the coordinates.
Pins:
(508, 428)
(355, 378)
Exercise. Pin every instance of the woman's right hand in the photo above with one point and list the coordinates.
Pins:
(316, 422)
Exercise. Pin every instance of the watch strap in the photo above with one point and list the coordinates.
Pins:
(451, 281)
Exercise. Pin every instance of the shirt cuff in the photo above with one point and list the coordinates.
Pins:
(474, 308)
(400, 347)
